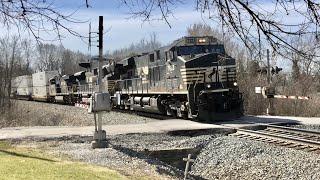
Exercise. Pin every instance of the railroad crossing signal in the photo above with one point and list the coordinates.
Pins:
(274, 70)
(100, 101)
(270, 92)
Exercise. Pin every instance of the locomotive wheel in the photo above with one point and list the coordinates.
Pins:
(184, 115)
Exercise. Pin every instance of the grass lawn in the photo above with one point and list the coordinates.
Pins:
(27, 163)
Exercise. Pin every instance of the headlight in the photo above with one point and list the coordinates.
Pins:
(202, 40)
(235, 84)
(208, 86)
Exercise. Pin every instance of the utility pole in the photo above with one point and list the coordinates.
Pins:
(99, 137)
(268, 70)
(100, 52)
(270, 109)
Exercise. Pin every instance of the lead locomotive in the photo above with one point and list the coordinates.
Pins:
(191, 78)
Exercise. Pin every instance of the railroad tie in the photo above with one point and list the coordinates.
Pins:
(283, 136)
(313, 149)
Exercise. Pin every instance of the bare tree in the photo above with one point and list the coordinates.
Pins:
(37, 16)
(201, 29)
(9, 53)
(307, 65)
(144, 45)
(48, 57)
(51, 57)
(27, 56)
(255, 22)
(70, 61)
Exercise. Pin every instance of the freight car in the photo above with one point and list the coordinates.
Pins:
(41, 85)
(50, 86)
(22, 87)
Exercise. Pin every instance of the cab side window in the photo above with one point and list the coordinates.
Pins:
(158, 54)
(169, 55)
(173, 55)
(151, 57)
(166, 55)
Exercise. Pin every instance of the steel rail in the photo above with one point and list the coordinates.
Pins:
(289, 129)
(280, 137)
(292, 134)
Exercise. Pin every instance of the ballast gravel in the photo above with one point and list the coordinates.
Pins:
(156, 141)
(125, 152)
(233, 158)
(31, 113)
(221, 157)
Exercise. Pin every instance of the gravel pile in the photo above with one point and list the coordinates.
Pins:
(114, 159)
(140, 142)
(232, 158)
(125, 153)
(221, 157)
(30, 113)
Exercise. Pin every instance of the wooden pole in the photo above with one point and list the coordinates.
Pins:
(100, 67)
(270, 109)
(188, 160)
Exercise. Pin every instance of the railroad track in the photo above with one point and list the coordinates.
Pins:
(299, 139)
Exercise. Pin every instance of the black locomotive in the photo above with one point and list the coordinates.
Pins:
(191, 78)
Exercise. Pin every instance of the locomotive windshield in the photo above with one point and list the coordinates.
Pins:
(188, 50)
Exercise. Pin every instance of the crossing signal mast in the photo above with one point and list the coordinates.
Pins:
(269, 91)
(100, 101)
(89, 43)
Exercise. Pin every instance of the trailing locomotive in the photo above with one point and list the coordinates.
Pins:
(191, 78)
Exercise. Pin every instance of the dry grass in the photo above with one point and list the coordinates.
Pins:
(27, 163)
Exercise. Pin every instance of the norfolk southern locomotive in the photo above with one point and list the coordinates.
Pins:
(191, 78)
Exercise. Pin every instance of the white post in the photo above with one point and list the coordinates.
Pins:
(188, 160)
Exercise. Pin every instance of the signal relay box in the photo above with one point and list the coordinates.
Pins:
(100, 102)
